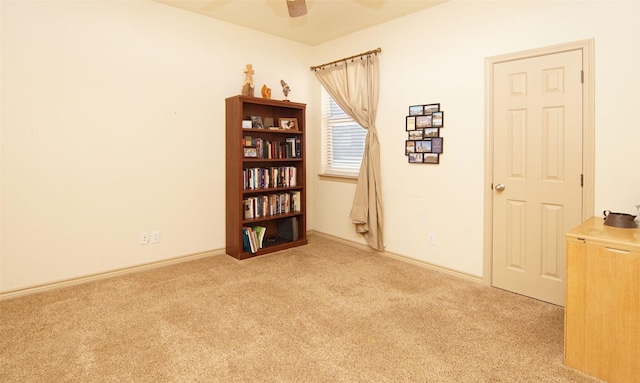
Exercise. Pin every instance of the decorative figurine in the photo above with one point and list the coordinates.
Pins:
(247, 85)
(285, 89)
(266, 92)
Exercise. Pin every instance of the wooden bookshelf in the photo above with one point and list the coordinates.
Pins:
(266, 186)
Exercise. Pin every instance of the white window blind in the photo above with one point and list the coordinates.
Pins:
(342, 140)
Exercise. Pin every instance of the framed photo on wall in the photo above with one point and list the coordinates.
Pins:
(423, 122)
(436, 145)
(430, 108)
(437, 119)
(416, 158)
(431, 132)
(410, 123)
(416, 110)
(409, 147)
(415, 134)
(431, 158)
(423, 146)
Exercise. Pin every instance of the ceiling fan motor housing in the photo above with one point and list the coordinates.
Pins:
(296, 8)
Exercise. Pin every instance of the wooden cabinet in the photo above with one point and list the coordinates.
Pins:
(265, 175)
(602, 311)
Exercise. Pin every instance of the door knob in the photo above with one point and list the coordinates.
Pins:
(500, 187)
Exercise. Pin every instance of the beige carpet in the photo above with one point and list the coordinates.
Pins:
(325, 312)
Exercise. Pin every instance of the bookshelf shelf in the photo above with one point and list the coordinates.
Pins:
(261, 191)
(273, 160)
(251, 221)
(270, 190)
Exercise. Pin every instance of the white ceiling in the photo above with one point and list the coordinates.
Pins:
(325, 19)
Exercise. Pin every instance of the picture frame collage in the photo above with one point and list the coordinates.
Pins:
(424, 145)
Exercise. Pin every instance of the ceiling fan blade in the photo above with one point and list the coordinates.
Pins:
(296, 7)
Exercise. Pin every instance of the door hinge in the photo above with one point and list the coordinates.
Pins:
(582, 77)
(581, 180)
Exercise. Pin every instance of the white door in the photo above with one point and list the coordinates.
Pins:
(537, 171)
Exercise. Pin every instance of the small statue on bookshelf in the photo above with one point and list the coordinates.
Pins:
(285, 89)
(266, 92)
(247, 85)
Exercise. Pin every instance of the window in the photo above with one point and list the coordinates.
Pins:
(342, 140)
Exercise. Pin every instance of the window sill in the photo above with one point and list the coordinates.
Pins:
(338, 178)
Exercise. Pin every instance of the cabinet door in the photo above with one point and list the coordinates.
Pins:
(612, 313)
(602, 312)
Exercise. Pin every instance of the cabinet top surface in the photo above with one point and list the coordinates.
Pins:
(594, 229)
(267, 101)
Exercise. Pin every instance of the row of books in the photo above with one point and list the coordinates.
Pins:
(253, 238)
(289, 148)
(271, 204)
(273, 177)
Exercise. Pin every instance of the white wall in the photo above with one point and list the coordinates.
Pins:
(438, 56)
(113, 125)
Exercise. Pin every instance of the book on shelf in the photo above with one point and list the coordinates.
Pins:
(267, 149)
(273, 177)
(253, 238)
(271, 204)
(291, 147)
(254, 241)
(293, 176)
(248, 244)
(248, 209)
(295, 200)
(260, 231)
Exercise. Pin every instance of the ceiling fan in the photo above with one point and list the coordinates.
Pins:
(297, 7)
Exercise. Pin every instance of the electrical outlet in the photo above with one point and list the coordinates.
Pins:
(144, 238)
(432, 239)
(155, 236)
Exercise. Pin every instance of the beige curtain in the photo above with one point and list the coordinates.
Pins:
(354, 84)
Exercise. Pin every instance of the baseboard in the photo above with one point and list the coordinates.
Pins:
(416, 262)
(108, 274)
